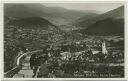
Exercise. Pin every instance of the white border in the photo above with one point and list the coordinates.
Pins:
(1, 41)
(63, 1)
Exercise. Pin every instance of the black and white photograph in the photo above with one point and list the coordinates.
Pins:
(64, 40)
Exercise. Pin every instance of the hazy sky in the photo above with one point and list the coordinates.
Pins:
(101, 7)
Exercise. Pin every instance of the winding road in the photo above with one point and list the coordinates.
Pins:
(23, 61)
(25, 72)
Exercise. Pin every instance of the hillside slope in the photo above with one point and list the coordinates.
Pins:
(107, 26)
(32, 23)
(115, 14)
(56, 15)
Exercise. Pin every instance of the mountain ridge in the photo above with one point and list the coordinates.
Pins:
(33, 23)
(55, 15)
(116, 14)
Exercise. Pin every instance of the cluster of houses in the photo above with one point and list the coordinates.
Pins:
(93, 46)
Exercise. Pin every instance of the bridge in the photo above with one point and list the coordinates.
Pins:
(22, 68)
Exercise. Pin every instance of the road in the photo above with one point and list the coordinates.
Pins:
(25, 72)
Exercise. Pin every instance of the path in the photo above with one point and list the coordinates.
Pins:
(25, 72)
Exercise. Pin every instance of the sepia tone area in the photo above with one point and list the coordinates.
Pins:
(53, 41)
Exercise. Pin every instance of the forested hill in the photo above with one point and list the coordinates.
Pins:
(107, 26)
(33, 23)
(56, 15)
(115, 14)
(109, 23)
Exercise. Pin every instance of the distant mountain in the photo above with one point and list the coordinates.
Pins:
(56, 15)
(83, 18)
(110, 23)
(107, 26)
(115, 14)
(33, 23)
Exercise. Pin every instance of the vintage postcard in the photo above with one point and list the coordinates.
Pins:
(64, 40)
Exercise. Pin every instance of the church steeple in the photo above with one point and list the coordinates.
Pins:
(104, 49)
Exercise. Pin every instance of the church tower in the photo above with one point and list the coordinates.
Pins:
(104, 49)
